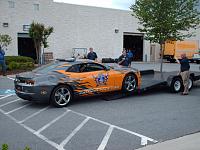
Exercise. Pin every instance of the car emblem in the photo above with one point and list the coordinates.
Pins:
(101, 79)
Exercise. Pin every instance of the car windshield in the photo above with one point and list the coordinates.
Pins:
(51, 67)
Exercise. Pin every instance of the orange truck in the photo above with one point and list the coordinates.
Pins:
(174, 49)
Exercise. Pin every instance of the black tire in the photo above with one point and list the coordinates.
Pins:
(198, 61)
(190, 83)
(61, 96)
(129, 83)
(176, 85)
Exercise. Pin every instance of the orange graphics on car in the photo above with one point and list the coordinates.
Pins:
(61, 81)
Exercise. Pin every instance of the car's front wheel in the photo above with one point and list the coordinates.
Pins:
(61, 96)
(129, 83)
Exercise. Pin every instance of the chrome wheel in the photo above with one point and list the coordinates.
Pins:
(61, 96)
(129, 83)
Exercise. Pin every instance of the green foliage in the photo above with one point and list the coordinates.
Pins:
(19, 62)
(19, 59)
(5, 40)
(21, 66)
(4, 147)
(162, 19)
(39, 33)
(27, 148)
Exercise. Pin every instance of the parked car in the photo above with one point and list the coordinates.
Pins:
(196, 58)
(61, 81)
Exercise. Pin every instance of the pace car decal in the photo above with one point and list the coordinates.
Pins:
(101, 79)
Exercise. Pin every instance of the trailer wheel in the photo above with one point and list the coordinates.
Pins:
(176, 85)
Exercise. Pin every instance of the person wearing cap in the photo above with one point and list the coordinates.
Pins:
(184, 72)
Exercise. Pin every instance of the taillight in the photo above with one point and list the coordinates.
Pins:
(30, 82)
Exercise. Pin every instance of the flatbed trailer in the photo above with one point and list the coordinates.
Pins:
(151, 79)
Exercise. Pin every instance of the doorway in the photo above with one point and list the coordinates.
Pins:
(134, 42)
(26, 46)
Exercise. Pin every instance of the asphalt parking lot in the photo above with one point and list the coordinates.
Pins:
(93, 123)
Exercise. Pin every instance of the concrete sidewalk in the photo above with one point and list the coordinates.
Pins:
(189, 142)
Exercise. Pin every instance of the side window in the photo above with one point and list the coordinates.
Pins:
(94, 67)
(74, 68)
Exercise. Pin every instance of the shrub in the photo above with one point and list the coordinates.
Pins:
(22, 66)
(4, 147)
(13, 65)
(22, 59)
(19, 62)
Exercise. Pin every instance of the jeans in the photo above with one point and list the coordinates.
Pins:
(3, 65)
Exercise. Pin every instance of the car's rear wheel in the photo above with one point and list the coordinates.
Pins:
(129, 83)
(176, 85)
(61, 96)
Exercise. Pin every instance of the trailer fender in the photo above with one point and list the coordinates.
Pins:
(169, 79)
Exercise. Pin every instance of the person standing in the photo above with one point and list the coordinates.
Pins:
(92, 55)
(123, 60)
(184, 72)
(2, 61)
(130, 57)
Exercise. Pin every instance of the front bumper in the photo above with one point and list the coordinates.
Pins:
(33, 93)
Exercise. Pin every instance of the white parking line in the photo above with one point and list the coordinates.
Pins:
(17, 109)
(10, 102)
(63, 143)
(143, 138)
(53, 121)
(6, 96)
(106, 138)
(11, 78)
(33, 131)
(34, 114)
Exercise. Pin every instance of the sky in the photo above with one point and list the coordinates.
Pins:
(116, 4)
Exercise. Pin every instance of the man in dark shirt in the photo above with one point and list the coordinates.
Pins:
(184, 72)
(92, 55)
(123, 59)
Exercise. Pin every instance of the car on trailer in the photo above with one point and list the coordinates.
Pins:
(63, 80)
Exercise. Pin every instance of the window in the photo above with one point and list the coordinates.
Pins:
(36, 7)
(74, 68)
(93, 67)
(11, 4)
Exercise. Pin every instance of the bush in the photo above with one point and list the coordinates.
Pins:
(19, 62)
(19, 59)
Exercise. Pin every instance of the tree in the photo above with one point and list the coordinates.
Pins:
(163, 20)
(39, 33)
(5, 40)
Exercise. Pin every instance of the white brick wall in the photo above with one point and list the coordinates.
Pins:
(74, 26)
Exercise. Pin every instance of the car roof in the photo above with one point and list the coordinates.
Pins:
(78, 61)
